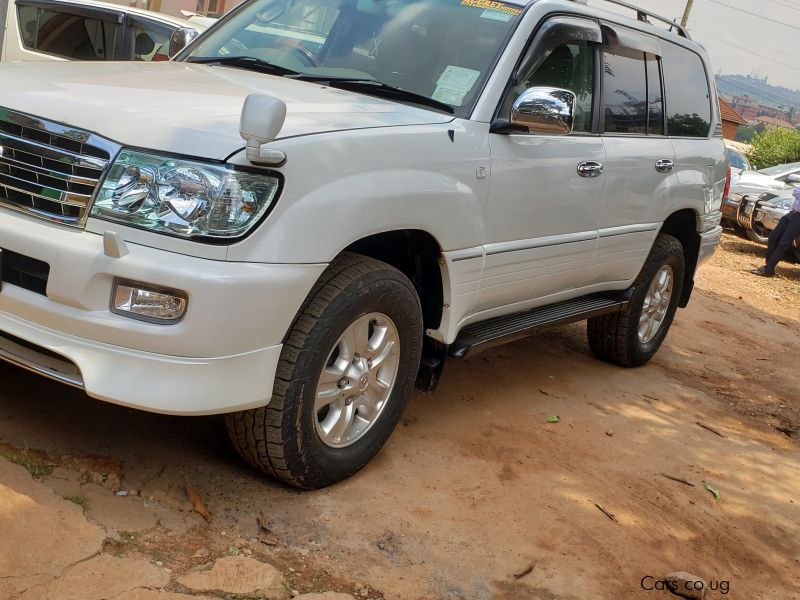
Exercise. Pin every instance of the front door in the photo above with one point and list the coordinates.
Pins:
(541, 221)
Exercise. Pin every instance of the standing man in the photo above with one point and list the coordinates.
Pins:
(782, 238)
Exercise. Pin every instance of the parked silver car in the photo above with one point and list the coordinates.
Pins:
(759, 199)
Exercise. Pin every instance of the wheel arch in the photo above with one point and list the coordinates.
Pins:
(683, 225)
(416, 254)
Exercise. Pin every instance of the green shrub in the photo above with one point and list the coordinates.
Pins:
(774, 147)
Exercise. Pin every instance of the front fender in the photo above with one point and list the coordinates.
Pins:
(346, 186)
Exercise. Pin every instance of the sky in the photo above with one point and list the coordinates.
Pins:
(738, 42)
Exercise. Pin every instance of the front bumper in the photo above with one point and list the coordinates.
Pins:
(220, 357)
(143, 380)
(770, 217)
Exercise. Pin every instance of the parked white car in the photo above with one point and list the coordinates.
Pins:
(319, 201)
(775, 179)
(58, 30)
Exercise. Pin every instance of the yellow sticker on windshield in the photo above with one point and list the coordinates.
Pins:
(492, 5)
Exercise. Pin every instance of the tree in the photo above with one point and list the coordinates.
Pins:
(745, 133)
(775, 146)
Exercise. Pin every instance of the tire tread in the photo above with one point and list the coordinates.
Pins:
(267, 453)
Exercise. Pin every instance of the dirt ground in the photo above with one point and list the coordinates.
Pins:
(476, 496)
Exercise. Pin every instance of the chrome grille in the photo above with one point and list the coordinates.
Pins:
(50, 170)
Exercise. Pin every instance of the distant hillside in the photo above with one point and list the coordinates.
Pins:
(759, 90)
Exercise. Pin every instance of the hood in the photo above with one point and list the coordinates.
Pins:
(751, 182)
(186, 108)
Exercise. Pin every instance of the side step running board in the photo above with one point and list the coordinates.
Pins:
(500, 330)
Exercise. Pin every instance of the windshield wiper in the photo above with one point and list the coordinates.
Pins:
(376, 88)
(355, 84)
(244, 62)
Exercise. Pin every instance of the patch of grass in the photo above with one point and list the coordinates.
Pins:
(36, 467)
(79, 499)
(127, 536)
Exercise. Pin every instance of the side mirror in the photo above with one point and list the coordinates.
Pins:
(261, 122)
(544, 110)
(181, 38)
(793, 179)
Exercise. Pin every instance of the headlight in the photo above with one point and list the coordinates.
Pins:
(183, 197)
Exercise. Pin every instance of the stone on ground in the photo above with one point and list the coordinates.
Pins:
(684, 585)
(41, 533)
(237, 575)
(100, 578)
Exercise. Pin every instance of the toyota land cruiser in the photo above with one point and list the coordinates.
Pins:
(319, 201)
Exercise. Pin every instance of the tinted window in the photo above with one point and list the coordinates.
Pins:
(150, 42)
(624, 90)
(688, 97)
(655, 99)
(569, 67)
(67, 35)
(27, 16)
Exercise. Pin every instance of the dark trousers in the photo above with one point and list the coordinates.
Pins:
(780, 240)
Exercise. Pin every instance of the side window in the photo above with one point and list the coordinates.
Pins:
(28, 16)
(687, 94)
(65, 34)
(655, 98)
(569, 67)
(625, 90)
(150, 42)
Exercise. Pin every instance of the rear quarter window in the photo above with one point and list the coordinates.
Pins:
(688, 98)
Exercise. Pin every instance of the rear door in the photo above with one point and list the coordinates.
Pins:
(640, 174)
(691, 108)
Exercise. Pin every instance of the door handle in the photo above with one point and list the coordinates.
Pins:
(664, 165)
(590, 168)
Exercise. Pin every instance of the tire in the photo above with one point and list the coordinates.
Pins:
(287, 438)
(616, 337)
(757, 236)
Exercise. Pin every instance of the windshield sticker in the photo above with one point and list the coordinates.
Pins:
(496, 15)
(454, 85)
(491, 5)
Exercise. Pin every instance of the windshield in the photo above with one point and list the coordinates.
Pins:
(441, 49)
(781, 169)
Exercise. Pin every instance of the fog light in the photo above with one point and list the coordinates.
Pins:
(151, 303)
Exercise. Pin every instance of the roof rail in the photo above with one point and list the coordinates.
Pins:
(644, 15)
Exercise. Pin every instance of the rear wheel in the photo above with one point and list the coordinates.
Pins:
(345, 375)
(631, 337)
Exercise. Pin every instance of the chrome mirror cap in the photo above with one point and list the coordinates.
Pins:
(544, 110)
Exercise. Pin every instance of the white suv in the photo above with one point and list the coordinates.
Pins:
(419, 179)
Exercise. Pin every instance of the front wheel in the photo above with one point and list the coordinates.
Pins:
(630, 338)
(345, 374)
